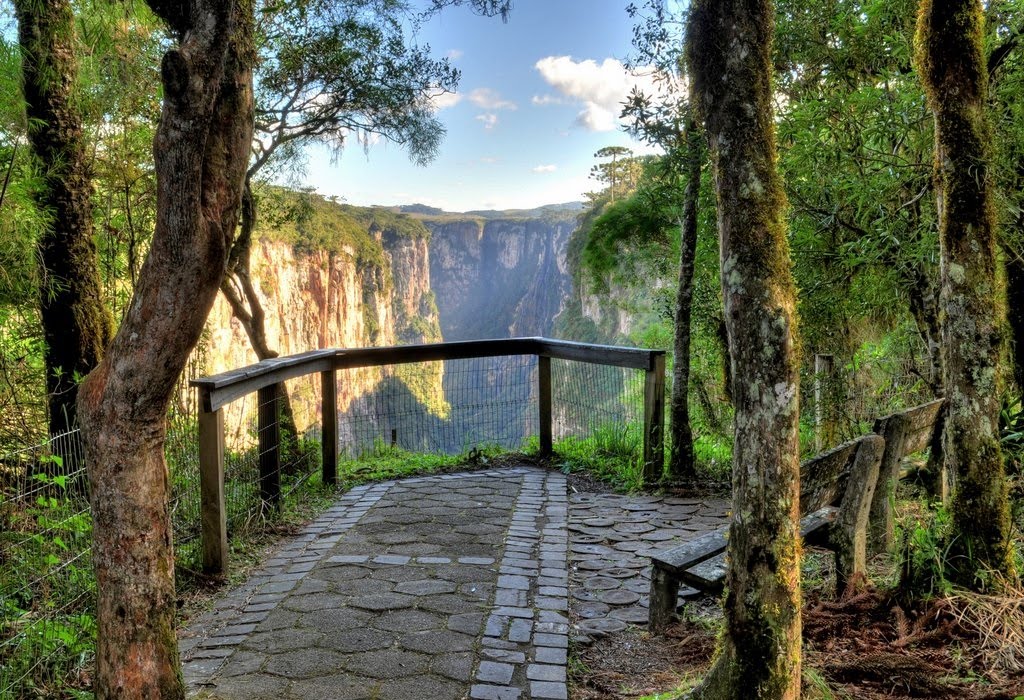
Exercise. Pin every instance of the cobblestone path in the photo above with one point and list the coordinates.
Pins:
(611, 535)
(439, 588)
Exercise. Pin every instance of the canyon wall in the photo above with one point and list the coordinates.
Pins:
(397, 279)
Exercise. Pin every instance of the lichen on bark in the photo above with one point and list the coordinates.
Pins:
(729, 50)
(950, 59)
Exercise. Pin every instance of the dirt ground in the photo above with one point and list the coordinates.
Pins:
(867, 645)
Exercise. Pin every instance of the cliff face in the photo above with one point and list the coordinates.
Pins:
(392, 280)
(330, 298)
(501, 277)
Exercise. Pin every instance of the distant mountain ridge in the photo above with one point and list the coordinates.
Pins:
(422, 210)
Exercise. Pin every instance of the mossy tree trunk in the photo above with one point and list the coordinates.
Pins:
(681, 460)
(201, 150)
(955, 76)
(76, 325)
(729, 49)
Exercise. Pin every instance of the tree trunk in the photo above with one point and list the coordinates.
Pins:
(201, 151)
(953, 70)
(76, 326)
(1015, 297)
(681, 461)
(729, 49)
(245, 304)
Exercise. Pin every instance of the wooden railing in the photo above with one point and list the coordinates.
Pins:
(264, 378)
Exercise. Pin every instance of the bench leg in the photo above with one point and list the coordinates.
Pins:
(664, 592)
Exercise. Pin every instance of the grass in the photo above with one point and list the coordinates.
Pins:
(611, 453)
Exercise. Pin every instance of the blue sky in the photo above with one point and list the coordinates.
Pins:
(539, 95)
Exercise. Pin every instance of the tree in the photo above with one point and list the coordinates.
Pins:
(76, 326)
(201, 153)
(954, 72)
(620, 175)
(666, 120)
(329, 71)
(729, 52)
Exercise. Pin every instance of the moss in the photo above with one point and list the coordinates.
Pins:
(950, 59)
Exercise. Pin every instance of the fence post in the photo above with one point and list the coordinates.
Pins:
(544, 404)
(822, 401)
(213, 514)
(269, 445)
(329, 426)
(654, 419)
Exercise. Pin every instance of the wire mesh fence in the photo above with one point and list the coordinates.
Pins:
(46, 581)
(272, 449)
(450, 407)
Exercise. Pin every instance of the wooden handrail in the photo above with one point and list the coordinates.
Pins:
(221, 389)
(218, 390)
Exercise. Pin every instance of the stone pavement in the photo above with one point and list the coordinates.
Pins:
(451, 586)
(611, 534)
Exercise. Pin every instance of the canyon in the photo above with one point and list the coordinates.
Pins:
(356, 277)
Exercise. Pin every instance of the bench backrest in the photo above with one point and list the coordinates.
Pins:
(823, 478)
(921, 423)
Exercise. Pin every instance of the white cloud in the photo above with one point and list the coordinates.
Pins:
(545, 168)
(486, 98)
(488, 160)
(544, 100)
(600, 88)
(454, 54)
(489, 120)
(445, 100)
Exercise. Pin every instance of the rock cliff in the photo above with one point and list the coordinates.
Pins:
(351, 277)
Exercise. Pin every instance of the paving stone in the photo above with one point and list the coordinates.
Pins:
(437, 641)
(495, 672)
(360, 639)
(276, 641)
(467, 623)
(387, 663)
(504, 655)
(304, 663)
(425, 587)
(552, 673)
(420, 687)
(382, 601)
(550, 655)
(494, 692)
(344, 686)
(520, 630)
(249, 687)
(458, 667)
(409, 621)
(548, 691)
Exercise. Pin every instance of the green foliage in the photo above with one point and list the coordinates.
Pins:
(610, 452)
(47, 629)
(924, 546)
(312, 224)
(327, 71)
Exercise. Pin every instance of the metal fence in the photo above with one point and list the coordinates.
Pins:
(456, 406)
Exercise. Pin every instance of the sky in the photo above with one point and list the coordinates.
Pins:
(539, 96)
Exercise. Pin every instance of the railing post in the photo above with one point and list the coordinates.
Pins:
(269, 445)
(822, 401)
(213, 514)
(329, 426)
(654, 419)
(544, 404)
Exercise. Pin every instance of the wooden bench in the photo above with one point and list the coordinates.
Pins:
(847, 491)
(905, 433)
(837, 487)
